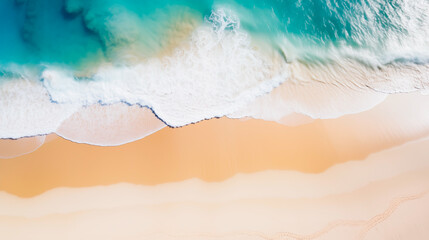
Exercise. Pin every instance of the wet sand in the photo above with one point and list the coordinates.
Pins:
(213, 150)
(360, 176)
(11, 148)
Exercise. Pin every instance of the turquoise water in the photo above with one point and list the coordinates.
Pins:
(190, 60)
(75, 33)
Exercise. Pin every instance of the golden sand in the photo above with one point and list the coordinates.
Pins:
(217, 149)
(313, 191)
(381, 197)
(213, 150)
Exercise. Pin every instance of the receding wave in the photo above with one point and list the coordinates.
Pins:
(117, 62)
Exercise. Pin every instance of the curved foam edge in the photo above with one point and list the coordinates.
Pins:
(26, 109)
(109, 125)
(390, 123)
(18, 147)
(333, 90)
(216, 72)
(397, 119)
(323, 100)
(385, 194)
(250, 146)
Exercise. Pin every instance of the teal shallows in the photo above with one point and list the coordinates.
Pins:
(76, 33)
(311, 29)
(39, 32)
(57, 32)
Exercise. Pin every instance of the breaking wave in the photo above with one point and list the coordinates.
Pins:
(141, 66)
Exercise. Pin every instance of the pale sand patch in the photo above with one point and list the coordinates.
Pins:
(373, 199)
(11, 148)
(109, 125)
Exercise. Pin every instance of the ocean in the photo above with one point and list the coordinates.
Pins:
(188, 61)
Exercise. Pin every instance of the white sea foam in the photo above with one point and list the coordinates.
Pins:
(215, 74)
(332, 90)
(219, 71)
(380, 34)
(26, 109)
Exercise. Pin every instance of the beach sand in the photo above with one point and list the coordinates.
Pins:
(359, 176)
(381, 197)
(215, 150)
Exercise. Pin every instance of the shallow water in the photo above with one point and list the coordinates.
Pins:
(193, 60)
(75, 32)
